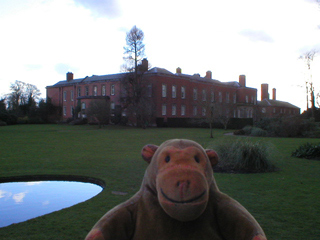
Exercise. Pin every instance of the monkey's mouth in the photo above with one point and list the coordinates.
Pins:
(186, 201)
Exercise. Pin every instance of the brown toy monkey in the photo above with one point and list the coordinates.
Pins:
(178, 199)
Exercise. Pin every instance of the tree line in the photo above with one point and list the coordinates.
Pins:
(23, 105)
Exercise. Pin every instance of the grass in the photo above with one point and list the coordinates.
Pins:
(285, 203)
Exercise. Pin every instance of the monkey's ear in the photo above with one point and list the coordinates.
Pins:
(213, 157)
(148, 151)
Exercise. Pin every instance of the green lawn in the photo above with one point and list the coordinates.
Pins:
(286, 203)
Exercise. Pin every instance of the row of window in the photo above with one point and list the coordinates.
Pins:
(237, 113)
(282, 111)
(204, 96)
(87, 93)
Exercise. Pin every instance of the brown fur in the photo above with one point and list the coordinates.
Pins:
(178, 199)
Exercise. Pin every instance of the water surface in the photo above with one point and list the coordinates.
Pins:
(20, 201)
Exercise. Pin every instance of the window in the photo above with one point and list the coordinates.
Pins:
(164, 90)
(204, 95)
(227, 97)
(220, 97)
(212, 96)
(95, 91)
(174, 109)
(234, 98)
(79, 91)
(149, 90)
(71, 95)
(195, 94)
(87, 91)
(252, 99)
(183, 92)
(103, 90)
(83, 108)
(274, 110)
(64, 111)
(164, 109)
(204, 111)
(195, 110)
(183, 110)
(112, 92)
(174, 91)
(65, 96)
(247, 99)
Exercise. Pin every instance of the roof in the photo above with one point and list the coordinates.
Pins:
(93, 78)
(155, 70)
(275, 103)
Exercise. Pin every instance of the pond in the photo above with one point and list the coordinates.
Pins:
(20, 201)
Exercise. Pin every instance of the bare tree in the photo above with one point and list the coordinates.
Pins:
(136, 90)
(308, 57)
(21, 94)
(99, 111)
(207, 105)
(134, 49)
(223, 113)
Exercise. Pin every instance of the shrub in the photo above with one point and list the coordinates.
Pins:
(2, 123)
(239, 132)
(307, 150)
(258, 132)
(244, 156)
(247, 130)
(287, 126)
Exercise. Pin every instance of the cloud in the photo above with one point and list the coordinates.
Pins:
(18, 197)
(2, 193)
(33, 66)
(101, 8)
(62, 68)
(33, 183)
(256, 35)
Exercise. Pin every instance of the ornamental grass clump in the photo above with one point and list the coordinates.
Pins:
(307, 150)
(244, 156)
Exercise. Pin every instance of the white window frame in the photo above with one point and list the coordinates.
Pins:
(183, 92)
(204, 95)
(164, 109)
(164, 90)
(64, 96)
(103, 90)
(183, 110)
(112, 90)
(71, 95)
(95, 90)
(174, 91)
(195, 94)
(212, 96)
(174, 109)
(220, 97)
(227, 97)
(195, 110)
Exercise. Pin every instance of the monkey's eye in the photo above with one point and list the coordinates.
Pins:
(196, 159)
(167, 159)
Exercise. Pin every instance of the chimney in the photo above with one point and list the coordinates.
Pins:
(242, 80)
(274, 94)
(178, 70)
(264, 91)
(69, 76)
(144, 65)
(208, 75)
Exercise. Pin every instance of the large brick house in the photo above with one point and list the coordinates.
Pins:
(176, 96)
(271, 108)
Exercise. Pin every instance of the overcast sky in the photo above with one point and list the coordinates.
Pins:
(41, 40)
